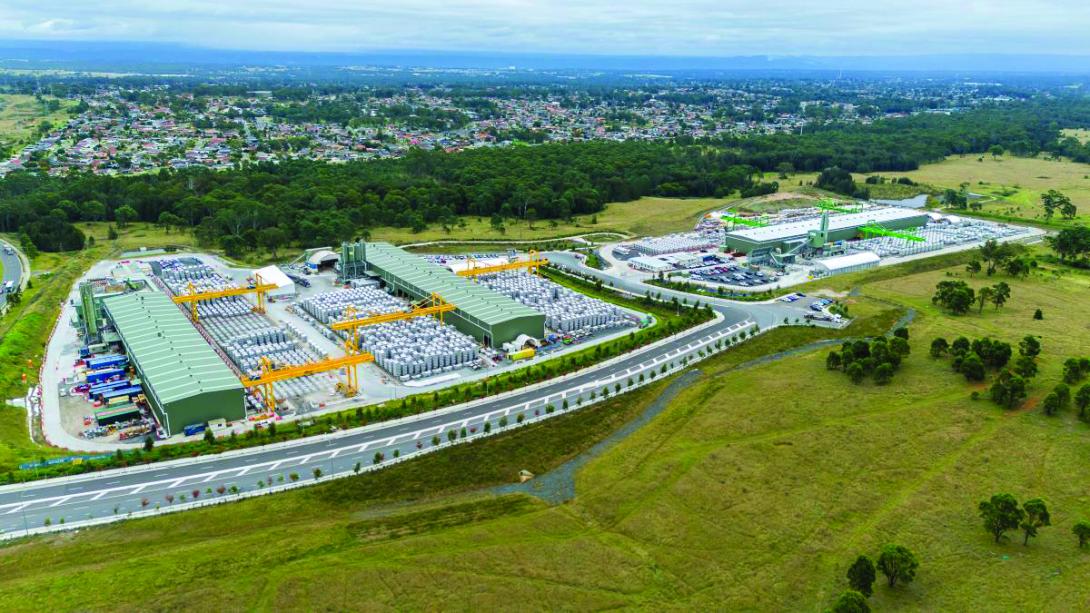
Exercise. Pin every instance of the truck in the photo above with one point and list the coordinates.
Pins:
(524, 354)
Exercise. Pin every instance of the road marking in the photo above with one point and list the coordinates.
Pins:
(99, 495)
(61, 501)
(18, 508)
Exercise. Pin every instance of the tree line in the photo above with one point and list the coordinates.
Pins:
(313, 202)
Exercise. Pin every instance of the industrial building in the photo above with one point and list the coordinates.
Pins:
(786, 236)
(91, 316)
(184, 380)
(480, 312)
(852, 262)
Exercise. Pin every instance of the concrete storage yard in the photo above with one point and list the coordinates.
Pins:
(675, 243)
(410, 349)
(411, 356)
(566, 311)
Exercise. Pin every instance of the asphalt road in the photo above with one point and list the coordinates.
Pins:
(114, 493)
(13, 270)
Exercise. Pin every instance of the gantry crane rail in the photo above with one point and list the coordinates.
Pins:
(193, 296)
(743, 221)
(432, 305)
(873, 229)
(271, 374)
(531, 265)
(828, 204)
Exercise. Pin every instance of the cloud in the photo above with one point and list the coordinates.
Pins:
(636, 27)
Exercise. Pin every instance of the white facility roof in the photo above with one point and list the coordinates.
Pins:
(840, 262)
(795, 229)
(649, 262)
(321, 256)
(273, 274)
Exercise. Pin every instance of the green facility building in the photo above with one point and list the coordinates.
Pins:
(481, 313)
(184, 379)
(785, 236)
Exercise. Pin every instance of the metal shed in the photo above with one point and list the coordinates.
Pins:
(184, 380)
(481, 313)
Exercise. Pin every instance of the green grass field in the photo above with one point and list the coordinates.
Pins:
(754, 489)
(20, 116)
(640, 217)
(1080, 134)
(1013, 185)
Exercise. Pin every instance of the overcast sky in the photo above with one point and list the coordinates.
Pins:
(626, 27)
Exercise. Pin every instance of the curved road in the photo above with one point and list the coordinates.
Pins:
(13, 270)
(111, 494)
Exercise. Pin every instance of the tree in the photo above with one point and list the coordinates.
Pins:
(973, 267)
(883, 374)
(1038, 315)
(832, 361)
(27, 246)
(1051, 404)
(272, 238)
(1029, 346)
(861, 576)
(855, 372)
(851, 601)
(954, 296)
(149, 442)
(984, 295)
(1063, 393)
(1017, 267)
(899, 347)
(1072, 372)
(939, 347)
(1036, 516)
(1053, 201)
(209, 437)
(1082, 400)
(1082, 531)
(1071, 243)
(1025, 367)
(898, 564)
(960, 346)
(1001, 292)
(1009, 389)
(996, 151)
(124, 215)
(901, 332)
(1001, 514)
(972, 367)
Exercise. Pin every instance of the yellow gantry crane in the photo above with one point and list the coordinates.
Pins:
(193, 297)
(432, 305)
(530, 265)
(349, 361)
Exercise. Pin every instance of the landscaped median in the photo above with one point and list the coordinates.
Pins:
(669, 320)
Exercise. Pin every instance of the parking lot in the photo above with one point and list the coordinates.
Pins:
(735, 275)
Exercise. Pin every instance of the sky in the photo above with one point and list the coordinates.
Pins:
(629, 27)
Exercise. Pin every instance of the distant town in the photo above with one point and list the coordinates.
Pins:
(118, 128)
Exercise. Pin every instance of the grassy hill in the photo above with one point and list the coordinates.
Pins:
(646, 216)
(1012, 185)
